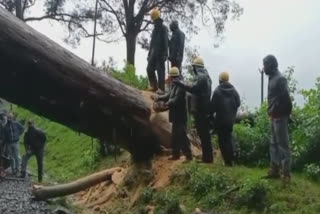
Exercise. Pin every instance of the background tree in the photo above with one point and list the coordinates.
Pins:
(128, 19)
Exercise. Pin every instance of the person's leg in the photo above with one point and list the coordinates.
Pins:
(229, 147)
(161, 71)
(17, 158)
(151, 68)
(274, 153)
(202, 126)
(11, 156)
(175, 141)
(222, 144)
(185, 143)
(25, 160)
(39, 155)
(282, 137)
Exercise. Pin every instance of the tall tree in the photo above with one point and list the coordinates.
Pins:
(128, 19)
(53, 9)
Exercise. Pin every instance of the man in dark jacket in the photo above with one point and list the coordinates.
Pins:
(176, 45)
(12, 132)
(176, 101)
(224, 104)
(34, 141)
(158, 53)
(3, 150)
(201, 93)
(279, 110)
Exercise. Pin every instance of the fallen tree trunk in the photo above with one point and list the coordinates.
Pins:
(43, 193)
(38, 74)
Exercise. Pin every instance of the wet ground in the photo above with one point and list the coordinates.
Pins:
(16, 198)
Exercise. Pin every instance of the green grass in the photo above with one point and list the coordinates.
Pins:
(68, 155)
(208, 187)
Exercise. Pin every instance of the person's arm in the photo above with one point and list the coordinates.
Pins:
(180, 95)
(164, 97)
(237, 99)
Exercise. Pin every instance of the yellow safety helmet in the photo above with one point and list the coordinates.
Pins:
(155, 14)
(198, 62)
(174, 72)
(224, 76)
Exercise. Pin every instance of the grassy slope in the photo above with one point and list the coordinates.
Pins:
(206, 186)
(68, 155)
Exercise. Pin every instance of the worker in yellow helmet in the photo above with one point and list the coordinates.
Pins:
(176, 101)
(201, 93)
(225, 102)
(158, 53)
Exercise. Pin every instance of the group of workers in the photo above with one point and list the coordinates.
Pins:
(34, 141)
(219, 108)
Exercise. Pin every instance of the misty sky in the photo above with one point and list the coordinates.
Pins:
(286, 28)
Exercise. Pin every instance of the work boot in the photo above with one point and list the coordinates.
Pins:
(273, 173)
(151, 89)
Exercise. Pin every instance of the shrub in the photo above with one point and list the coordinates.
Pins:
(313, 171)
(128, 76)
(254, 194)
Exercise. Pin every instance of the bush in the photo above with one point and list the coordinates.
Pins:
(147, 195)
(254, 194)
(253, 140)
(128, 76)
(313, 171)
(203, 182)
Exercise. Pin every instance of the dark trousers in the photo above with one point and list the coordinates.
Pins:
(175, 63)
(156, 64)
(179, 140)
(202, 126)
(39, 153)
(226, 146)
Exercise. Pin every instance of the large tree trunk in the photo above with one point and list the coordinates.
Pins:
(41, 76)
(131, 47)
(43, 193)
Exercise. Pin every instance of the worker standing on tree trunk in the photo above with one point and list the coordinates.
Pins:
(34, 142)
(176, 101)
(225, 102)
(158, 53)
(279, 110)
(12, 132)
(201, 93)
(176, 45)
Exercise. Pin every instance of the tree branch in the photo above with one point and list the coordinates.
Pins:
(112, 11)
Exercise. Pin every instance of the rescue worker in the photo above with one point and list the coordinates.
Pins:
(225, 102)
(176, 45)
(34, 141)
(279, 110)
(12, 132)
(158, 54)
(176, 101)
(201, 93)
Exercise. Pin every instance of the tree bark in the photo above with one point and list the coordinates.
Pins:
(38, 74)
(43, 193)
(131, 47)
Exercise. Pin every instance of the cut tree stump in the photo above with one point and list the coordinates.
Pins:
(43, 193)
